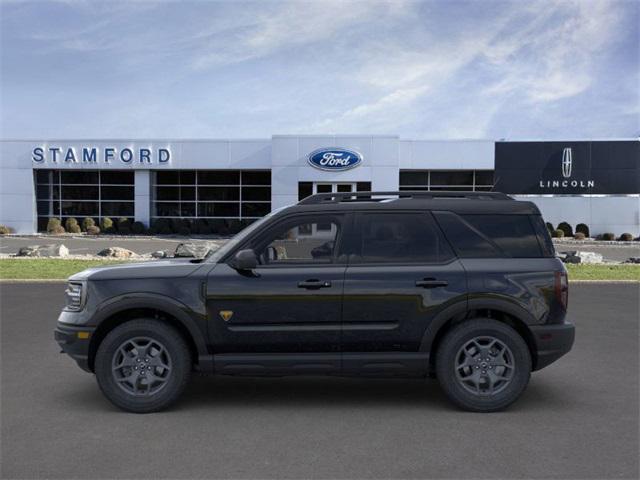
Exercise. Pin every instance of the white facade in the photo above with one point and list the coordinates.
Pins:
(286, 157)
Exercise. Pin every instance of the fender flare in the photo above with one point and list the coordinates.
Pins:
(459, 309)
(178, 310)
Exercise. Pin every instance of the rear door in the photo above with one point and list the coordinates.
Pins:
(401, 274)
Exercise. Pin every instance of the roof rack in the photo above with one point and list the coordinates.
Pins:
(368, 196)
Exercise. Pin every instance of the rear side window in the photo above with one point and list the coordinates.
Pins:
(400, 238)
(482, 236)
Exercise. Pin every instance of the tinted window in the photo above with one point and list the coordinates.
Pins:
(514, 234)
(304, 241)
(400, 238)
(481, 236)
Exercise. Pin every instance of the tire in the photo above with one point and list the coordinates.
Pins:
(472, 382)
(143, 365)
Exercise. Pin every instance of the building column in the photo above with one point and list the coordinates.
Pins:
(142, 196)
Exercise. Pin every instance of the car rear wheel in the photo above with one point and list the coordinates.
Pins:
(483, 365)
(143, 365)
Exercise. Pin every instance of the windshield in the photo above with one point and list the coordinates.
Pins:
(214, 256)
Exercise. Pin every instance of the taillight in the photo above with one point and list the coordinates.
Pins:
(562, 288)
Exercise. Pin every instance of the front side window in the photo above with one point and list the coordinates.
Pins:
(306, 240)
(400, 238)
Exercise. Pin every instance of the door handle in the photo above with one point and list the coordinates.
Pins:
(314, 284)
(431, 283)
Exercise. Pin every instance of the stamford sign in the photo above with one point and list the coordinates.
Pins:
(95, 155)
(334, 159)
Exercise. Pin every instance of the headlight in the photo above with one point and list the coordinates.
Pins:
(75, 296)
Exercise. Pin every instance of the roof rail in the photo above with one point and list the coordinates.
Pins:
(368, 196)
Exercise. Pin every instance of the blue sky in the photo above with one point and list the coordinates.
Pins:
(423, 70)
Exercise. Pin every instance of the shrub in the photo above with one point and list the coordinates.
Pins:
(566, 228)
(4, 230)
(626, 237)
(138, 228)
(124, 226)
(161, 226)
(93, 230)
(607, 236)
(88, 222)
(550, 227)
(70, 223)
(54, 225)
(583, 228)
(106, 225)
(579, 236)
(557, 233)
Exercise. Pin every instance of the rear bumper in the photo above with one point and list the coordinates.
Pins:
(73, 344)
(552, 342)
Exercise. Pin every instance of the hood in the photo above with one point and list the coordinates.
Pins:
(170, 268)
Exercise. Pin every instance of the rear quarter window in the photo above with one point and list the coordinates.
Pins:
(482, 236)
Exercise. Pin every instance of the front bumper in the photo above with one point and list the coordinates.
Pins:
(552, 342)
(74, 341)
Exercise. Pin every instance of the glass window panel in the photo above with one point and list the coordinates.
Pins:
(43, 208)
(219, 177)
(256, 193)
(79, 177)
(414, 178)
(363, 187)
(188, 209)
(56, 192)
(218, 209)
(484, 177)
(401, 238)
(417, 189)
(301, 243)
(514, 234)
(168, 177)
(42, 223)
(43, 191)
(218, 193)
(119, 177)
(453, 177)
(80, 209)
(187, 193)
(305, 189)
(255, 209)
(80, 192)
(256, 177)
(42, 176)
(452, 189)
(323, 188)
(117, 209)
(168, 193)
(116, 193)
(167, 209)
(56, 208)
(187, 177)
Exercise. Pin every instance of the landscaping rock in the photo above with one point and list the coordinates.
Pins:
(116, 252)
(159, 254)
(582, 257)
(195, 250)
(52, 250)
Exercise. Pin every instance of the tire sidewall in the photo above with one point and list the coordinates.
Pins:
(178, 377)
(459, 336)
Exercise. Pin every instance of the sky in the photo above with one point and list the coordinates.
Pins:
(420, 70)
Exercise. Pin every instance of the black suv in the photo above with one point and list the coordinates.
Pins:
(463, 286)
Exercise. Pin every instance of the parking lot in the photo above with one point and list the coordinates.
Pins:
(578, 419)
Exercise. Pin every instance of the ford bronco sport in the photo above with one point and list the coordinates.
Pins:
(463, 286)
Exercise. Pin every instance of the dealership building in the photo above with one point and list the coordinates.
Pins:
(596, 182)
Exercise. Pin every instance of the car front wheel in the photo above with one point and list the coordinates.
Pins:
(483, 365)
(143, 365)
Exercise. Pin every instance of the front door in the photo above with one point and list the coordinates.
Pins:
(401, 274)
(292, 302)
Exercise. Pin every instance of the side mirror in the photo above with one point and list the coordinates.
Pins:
(245, 260)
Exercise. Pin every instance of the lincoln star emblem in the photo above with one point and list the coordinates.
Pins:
(567, 160)
(226, 315)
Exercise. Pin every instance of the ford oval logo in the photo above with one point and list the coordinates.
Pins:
(334, 159)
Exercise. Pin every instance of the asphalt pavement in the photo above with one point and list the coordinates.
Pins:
(578, 419)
